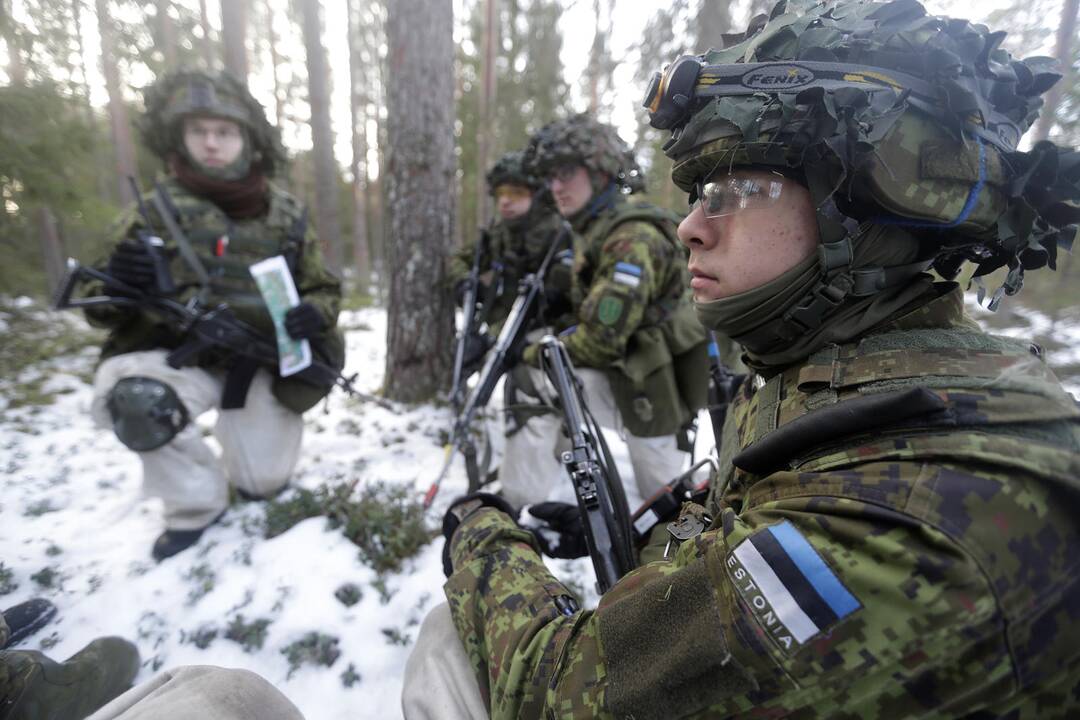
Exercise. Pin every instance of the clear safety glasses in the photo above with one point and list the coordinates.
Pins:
(728, 194)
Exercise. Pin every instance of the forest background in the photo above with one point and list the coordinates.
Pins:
(369, 93)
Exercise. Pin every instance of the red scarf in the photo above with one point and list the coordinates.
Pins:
(240, 199)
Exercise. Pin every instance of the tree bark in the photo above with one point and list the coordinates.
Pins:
(234, 38)
(1066, 36)
(713, 20)
(420, 173)
(119, 126)
(484, 115)
(52, 249)
(167, 32)
(327, 198)
(358, 102)
(275, 61)
(207, 43)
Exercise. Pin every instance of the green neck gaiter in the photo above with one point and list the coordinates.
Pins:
(739, 315)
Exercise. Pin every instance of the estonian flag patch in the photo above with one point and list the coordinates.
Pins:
(787, 585)
(627, 274)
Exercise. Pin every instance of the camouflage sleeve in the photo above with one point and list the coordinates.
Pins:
(460, 263)
(622, 287)
(816, 604)
(315, 283)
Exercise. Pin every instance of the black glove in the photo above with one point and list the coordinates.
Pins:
(476, 348)
(460, 509)
(303, 321)
(562, 535)
(459, 292)
(131, 264)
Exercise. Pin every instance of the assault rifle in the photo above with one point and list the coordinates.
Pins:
(469, 324)
(600, 497)
(497, 363)
(203, 329)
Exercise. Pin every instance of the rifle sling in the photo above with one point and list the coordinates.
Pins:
(165, 209)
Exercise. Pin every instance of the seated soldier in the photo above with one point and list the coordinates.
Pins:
(638, 350)
(891, 529)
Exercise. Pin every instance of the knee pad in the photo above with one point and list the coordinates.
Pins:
(146, 413)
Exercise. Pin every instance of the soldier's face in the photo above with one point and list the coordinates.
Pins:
(512, 201)
(736, 252)
(214, 142)
(571, 188)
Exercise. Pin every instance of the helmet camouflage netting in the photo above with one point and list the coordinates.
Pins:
(185, 93)
(581, 139)
(510, 170)
(895, 117)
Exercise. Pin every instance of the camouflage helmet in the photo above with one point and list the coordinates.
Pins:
(582, 139)
(193, 92)
(894, 117)
(510, 170)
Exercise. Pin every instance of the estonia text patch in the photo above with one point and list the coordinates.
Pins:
(787, 585)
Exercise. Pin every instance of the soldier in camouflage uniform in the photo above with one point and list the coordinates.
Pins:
(631, 333)
(891, 532)
(219, 152)
(515, 243)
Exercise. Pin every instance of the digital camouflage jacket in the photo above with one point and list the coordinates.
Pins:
(891, 535)
(632, 316)
(514, 249)
(227, 248)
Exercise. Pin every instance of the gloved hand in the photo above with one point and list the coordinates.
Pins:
(460, 509)
(131, 264)
(459, 292)
(303, 321)
(476, 348)
(560, 532)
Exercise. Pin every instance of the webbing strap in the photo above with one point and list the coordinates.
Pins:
(161, 204)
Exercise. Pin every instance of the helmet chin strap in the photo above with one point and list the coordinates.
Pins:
(838, 280)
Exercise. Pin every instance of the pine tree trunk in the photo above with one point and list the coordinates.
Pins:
(234, 38)
(420, 173)
(207, 43)
(1065, 38)
(327, 199)
(167, 33)
(275, 61)
(484, 115)
(52, 249)
(358, 104)
(120, 127)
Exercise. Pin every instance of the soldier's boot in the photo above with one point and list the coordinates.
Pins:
(25, 619)
(172, 542)
(37, 688)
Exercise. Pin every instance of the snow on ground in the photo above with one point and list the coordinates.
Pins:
(74, 528)
(70, 505)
